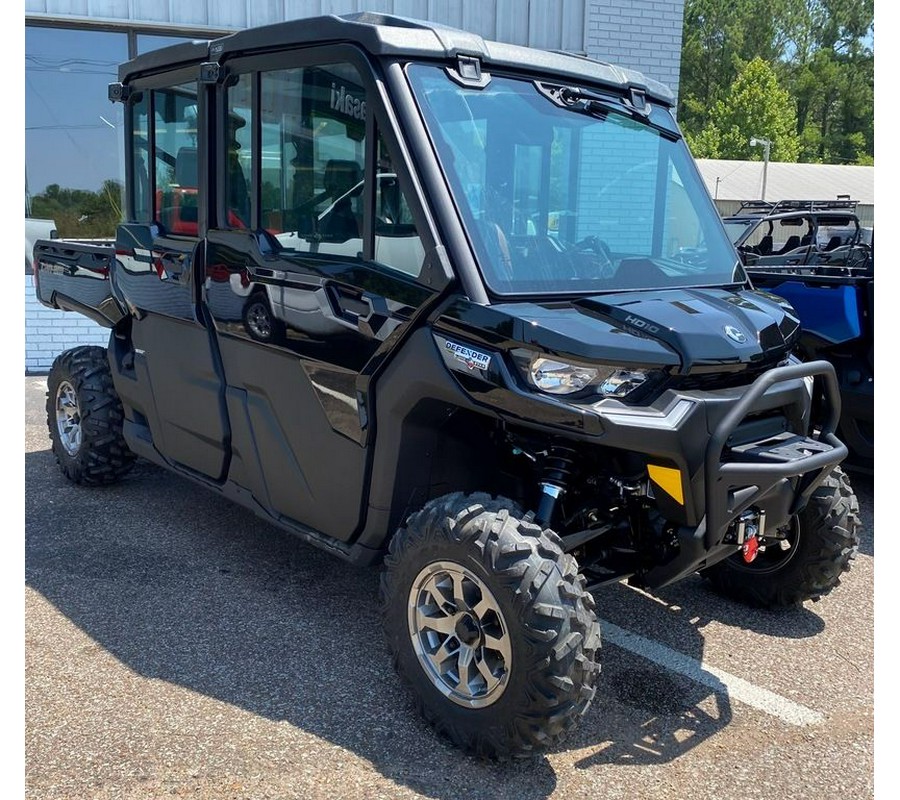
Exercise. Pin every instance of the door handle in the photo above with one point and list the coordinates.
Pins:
(368, 312)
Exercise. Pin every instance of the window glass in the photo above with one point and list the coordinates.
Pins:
(73, 134)
(570, 195)
(313, 158)
(175, 158)
(312, 168)
(397, 241)
(239, 153)
(140, 189)
(147, 42)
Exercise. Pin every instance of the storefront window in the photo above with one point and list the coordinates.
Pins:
(73, 134)
(147, 42)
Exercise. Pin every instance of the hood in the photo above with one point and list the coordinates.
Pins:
(680, 328)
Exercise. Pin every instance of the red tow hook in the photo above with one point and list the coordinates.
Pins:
(750, 548)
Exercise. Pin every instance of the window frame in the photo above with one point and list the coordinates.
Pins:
(380, 120)
(147, 86)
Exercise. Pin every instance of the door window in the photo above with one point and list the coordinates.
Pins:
(175, 158)
(238, 152)
(313, 158)
(312, 168)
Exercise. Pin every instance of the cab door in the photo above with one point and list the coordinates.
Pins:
(313, 295)
(177, 399)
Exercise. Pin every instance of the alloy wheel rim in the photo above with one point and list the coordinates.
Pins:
(459, 634)
(68, 418)
(258, 317)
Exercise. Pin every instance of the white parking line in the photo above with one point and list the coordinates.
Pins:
(718, 680)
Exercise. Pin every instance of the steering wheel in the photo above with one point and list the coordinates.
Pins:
(599, 248)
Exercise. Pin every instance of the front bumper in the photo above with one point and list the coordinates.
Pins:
(719, 443)
(783, 470)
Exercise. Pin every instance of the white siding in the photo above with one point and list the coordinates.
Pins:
(551, 24)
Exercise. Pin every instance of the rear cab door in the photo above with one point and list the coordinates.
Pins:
(172, 386)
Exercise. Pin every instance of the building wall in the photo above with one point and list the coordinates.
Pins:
(641, 34)
(48, 332)
(539, 23)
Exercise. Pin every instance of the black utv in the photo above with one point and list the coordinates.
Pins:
(462, 309)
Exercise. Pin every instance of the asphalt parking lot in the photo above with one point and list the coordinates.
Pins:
(177, 646)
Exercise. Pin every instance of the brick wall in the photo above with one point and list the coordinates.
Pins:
(642, 34)
(48, 332)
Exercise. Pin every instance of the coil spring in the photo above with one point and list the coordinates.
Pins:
(558, 467)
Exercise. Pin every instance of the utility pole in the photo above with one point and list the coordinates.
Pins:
(766, 144)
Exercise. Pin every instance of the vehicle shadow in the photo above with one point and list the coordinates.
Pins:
(864, 486)
(181, 585)
(645, 714)
(189, 589)
(696, 594)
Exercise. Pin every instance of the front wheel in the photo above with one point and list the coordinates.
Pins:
(818, 545)
(489, 623)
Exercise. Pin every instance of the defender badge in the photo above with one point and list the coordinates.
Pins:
(471, 358)
(734, 334)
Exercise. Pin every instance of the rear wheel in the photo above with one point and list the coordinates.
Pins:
(489, 623)
(84, 416)
(820, 544)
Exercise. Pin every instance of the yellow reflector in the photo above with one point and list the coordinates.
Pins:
(669, 480)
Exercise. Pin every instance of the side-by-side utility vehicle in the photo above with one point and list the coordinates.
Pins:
(462, 309)
(816, 255)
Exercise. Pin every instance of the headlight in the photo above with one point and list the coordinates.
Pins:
(559, 377)
(556, 376)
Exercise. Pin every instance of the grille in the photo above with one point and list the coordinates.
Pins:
(721, 380)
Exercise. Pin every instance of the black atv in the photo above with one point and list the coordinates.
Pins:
(464, 309)
(816, 254)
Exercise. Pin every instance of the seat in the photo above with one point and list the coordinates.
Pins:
(340, 223)
(765, 246)
(186, 171)
(792, 243)
(833, 242)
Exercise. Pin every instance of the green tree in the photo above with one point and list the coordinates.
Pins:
(820, 52)
(755, 105)
(830, 74)
(720, 36)
(81, 214)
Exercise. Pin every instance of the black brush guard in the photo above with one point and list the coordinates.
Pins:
(736, 478)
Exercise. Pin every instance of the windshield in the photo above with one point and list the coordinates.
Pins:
(573, 199)
(735, 230)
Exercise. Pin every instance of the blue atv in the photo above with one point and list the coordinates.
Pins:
(816, 255)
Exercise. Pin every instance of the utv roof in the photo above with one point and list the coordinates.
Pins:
(395, 37)
(754, 210)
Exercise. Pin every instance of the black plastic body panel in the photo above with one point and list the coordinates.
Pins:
(75, 276)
